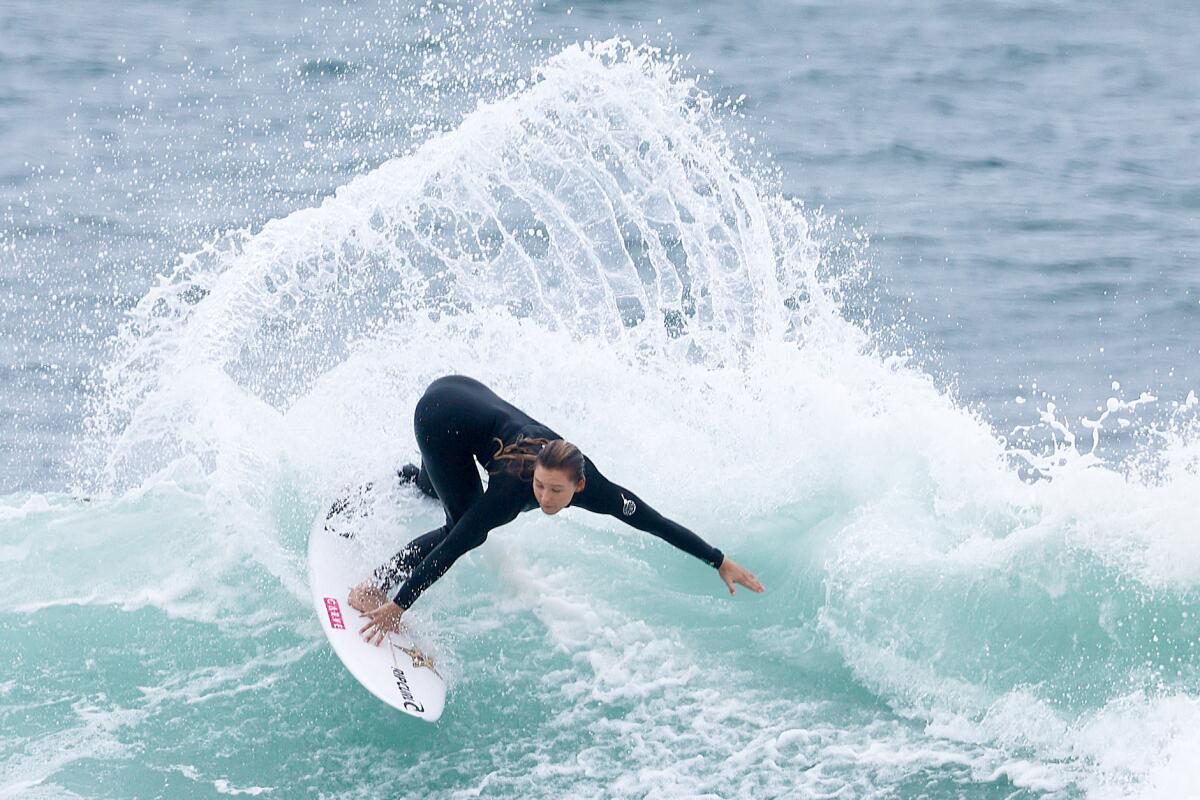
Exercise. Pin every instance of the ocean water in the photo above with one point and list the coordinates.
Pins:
(896, 307)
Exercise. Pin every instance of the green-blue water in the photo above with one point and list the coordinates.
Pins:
(886, 412)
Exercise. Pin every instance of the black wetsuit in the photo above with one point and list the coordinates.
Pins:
(458, 422)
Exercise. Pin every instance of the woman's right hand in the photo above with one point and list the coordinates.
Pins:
(367, 596)
(732, 573)
(380, 622)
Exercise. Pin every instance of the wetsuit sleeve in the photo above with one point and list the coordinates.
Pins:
(498, 506)
(602, 496)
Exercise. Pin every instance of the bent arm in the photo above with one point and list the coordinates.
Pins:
(602, 496)
(495, 508)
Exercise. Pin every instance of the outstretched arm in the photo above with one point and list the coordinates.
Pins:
(602, 496)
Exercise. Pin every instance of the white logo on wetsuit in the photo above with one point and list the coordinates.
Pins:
(627, 506)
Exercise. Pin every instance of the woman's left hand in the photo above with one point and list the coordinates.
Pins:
(381, 621)
(732, 573)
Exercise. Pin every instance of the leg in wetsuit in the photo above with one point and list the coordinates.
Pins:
(447, 473)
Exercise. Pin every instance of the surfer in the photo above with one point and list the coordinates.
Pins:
(459, 421)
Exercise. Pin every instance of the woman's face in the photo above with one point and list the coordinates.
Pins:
(553, 488)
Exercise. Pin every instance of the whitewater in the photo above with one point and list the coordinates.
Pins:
(952, 609)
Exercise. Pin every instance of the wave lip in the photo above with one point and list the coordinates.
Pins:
(602, 201)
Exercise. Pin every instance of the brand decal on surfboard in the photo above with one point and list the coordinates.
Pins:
(335, 613)
(410, 702)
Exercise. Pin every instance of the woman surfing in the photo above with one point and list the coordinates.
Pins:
(459, 421)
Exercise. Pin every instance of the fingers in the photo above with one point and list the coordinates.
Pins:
(375, 633)
(743, 577)
(750, 582)
(371, 628)
(380, 622)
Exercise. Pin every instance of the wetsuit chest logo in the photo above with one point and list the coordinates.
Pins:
(627, 506)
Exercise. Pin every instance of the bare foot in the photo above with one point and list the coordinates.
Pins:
(366, 597)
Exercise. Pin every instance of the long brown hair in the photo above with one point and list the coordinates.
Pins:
(562, 455)
(522, 456)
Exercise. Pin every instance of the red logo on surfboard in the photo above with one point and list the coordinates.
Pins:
(335, 613)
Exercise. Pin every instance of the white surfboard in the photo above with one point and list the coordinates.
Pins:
(397, 671)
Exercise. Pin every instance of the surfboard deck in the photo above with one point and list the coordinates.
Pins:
(398, 672)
